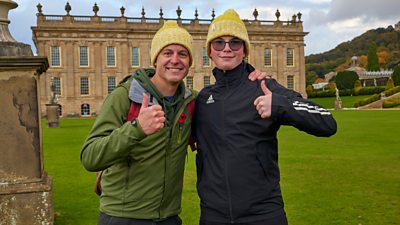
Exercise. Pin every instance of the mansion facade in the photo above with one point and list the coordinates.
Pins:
(89, 55)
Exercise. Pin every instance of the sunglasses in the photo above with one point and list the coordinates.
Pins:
(234, 44)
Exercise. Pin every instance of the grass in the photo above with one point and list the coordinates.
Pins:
(347, 101)
(349, 179)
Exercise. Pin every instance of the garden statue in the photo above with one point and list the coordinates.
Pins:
(53, 108)
(338, 101)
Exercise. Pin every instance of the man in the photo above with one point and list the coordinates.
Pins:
(236, 127)
(143, 160)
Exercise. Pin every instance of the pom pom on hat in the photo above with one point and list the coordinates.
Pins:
(228, 24)
(170, 33)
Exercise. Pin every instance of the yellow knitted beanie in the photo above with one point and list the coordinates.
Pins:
(228, 24)
(170, 33)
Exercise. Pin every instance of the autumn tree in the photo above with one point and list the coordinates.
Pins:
(383, 58)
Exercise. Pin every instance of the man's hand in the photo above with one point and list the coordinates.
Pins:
(264, 103)
(151, 119)
(258, 75)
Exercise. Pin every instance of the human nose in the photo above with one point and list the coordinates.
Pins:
(227, 47)
(175, 58)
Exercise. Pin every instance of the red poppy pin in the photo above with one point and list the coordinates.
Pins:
(182, 118)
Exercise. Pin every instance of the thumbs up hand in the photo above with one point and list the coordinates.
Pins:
(263, 103)
(151, 119)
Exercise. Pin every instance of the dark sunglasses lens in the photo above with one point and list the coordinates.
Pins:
(235, 44)
(218, 44)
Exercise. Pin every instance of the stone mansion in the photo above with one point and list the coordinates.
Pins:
(89, 54)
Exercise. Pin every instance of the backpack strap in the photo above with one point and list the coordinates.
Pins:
(133, 112)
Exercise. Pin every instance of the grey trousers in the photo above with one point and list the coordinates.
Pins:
(105, 219)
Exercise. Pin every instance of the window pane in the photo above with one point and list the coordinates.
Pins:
(189, 82)
(206, 60)
(289, 56)
(135, 56)
(290, 82)
(83, 56)
(55, 56)
(85, 109)
(267, 57)
(57, 85)
(110, 84)
(110, 56)
(206, 81)
(84, 85)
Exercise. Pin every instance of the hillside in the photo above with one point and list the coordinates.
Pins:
(386, 39)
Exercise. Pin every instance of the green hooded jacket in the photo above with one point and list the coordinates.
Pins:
(143, 175)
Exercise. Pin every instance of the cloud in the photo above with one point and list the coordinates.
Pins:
(329, 22)
(372, 9)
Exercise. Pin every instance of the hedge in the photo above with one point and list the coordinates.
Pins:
(389, 103)
(366, 101)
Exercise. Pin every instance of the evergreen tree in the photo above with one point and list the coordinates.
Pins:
(346, 80)
(396, 76)
(389, 84)
(373, 63)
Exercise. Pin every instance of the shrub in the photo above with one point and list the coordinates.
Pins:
(346, 79)
(392, 91)
(371, 90)
(389, 84)
(332, 87)
(309, 90)
(357, 87)
(389, 103)
(366, 101)
(321, 94)
(346, 92)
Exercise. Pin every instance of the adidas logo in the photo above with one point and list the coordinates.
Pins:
(210, 100)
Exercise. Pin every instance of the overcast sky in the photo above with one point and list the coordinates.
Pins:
(329, 22)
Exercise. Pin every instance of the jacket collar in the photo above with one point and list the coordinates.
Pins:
(230, 77)
(136, 90)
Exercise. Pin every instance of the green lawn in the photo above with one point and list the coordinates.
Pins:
(349, 179)
(347, 101)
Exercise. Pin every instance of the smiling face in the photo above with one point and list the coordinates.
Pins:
(172, 65)
(227, 59)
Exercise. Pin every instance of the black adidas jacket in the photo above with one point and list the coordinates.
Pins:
(237, 158)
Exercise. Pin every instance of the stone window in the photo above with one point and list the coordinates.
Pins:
(83, 56)
(289, 57)
(85, 109)
(206, 81)
(84, 84)
(267, 57)
(189, 82)
(206, 60)
(57, 85)
(55, 56)
(135, 57)
(290, 82)
(110, 84)
(110, 56)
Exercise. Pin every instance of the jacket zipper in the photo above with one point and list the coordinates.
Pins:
(226, 161)
(168, 149)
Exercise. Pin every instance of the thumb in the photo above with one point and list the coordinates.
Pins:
(264, 88)
(145, 101)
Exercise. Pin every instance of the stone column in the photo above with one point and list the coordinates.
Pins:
(25, 188)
